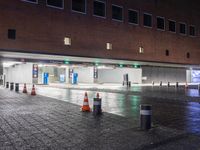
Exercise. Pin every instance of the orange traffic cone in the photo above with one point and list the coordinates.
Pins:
(24, 89)
(85, 106)
(33, 91)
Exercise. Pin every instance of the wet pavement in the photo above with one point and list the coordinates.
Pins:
(46, 123)
(174, 108)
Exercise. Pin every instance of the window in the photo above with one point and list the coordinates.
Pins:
(160, 23)
(167, 52)
(182, 28)
(133, 16)
(188, 55)
(117, 13)
(56, 4)
(31, 1)
(12, 34)
(99, 8)
(192, 30)
(147, 20)
(172, 26)
(79, 6)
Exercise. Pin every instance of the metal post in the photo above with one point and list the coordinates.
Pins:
(16, 87)
(145, 117)
(168, 84)
(7, 84)
(97, 106)
(11, 86)
(160, 83)
(177, 84)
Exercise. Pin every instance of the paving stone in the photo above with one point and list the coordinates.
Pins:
(45, 123)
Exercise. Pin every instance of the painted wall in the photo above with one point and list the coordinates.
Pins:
(85, 74)
(19, 73)
(164, 74)
(116, 75)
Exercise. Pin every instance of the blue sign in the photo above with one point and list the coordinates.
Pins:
(46, 78)
(62, 78)
(74, 78)
(195, 76)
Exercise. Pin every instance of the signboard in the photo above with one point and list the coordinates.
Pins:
(35, 71)
(71, 72)
(195, 76)
(95, 73)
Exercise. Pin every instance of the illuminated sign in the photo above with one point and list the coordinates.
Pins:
(195, 76)
(35, 71)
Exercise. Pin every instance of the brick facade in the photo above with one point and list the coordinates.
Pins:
(41, 29)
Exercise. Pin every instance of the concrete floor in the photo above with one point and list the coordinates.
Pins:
(40, 122)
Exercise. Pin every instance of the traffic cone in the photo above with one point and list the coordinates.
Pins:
(24, 89)
(86, 106)
(33, 93)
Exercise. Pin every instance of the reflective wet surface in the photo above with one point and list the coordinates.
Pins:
(177, 108)
(174, 108)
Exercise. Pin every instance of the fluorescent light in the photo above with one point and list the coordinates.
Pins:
(10, 63)
(67, 41)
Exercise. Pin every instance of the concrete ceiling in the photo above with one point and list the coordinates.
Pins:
(40, 57)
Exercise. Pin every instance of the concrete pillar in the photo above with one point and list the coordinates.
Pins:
(67, 74)
(1, 72)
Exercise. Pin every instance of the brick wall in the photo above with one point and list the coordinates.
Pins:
(41, 29)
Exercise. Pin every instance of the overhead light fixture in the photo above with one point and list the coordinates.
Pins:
(108, 46)
(141, 50)
(10, 63)
(67, 41)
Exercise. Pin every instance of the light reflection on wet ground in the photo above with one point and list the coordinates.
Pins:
(171, 107)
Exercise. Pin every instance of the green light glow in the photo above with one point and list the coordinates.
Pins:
(66, 61)
(121, 65)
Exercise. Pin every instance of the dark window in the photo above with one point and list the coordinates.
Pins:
(172, 26)
(182, 28)
(133, 16)
(188, 55)
(160, 23)
(79, 6)
(99, 8)
(147, 20)
(117, 12)
(57, 3)
(32, 1)
(192, 30)
(11, 34)
(167, 52)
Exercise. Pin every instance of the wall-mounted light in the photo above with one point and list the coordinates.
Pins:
(108, 46)
(67, 41)
(141, 50)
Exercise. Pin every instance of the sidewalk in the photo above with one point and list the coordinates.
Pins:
(37, 122)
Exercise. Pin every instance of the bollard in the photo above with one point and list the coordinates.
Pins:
(16, 87)
(153, 83)
(97, 105)
(168, 84)
(7, 84)
(129, 84)
(176, 84)
(145, 117)
(160, 83)
(11, 86)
